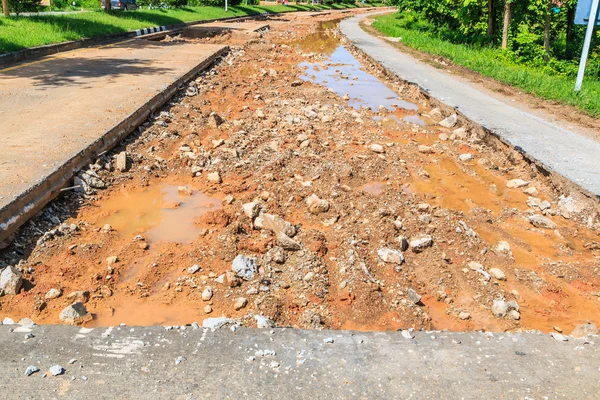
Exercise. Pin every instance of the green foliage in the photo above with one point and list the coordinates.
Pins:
(20, 6)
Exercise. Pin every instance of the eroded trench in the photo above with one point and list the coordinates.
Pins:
(350, 203)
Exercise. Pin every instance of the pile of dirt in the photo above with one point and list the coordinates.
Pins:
(293, 202)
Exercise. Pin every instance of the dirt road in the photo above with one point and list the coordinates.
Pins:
(298, 182)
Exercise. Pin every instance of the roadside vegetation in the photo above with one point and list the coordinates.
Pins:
(22, 32)
(531, 44)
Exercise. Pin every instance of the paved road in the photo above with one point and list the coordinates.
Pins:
(53, 110)
(140, 363)
(570, 154)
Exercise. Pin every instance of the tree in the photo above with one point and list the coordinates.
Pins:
(547, 31)
(507, 11)
(5, 8)
(491, 28)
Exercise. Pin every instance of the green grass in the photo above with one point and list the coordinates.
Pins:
(489, 62)
(18, 33)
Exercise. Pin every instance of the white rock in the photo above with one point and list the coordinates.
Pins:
(251, 209)
(263, 322)
(450, 121)
(465, 157)
(390, 256)
(244, 267)
(499, 308)
(475, 266)
(74, 314)
(240, 303)
(413, 296)
(11, 280)
(497, 273)
(539, 221)
(421, 243)
(377, 148)
(121, 162)
(216, 323)
(214, 177)
(316, 205)
(207, 293)
(516, 183)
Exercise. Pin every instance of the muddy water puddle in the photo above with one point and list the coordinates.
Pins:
(160, 213)
(343, 73)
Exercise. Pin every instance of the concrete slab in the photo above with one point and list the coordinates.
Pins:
(564, 151)
(151, 362)
(58, 111)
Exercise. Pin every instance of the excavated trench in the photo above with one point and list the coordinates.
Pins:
(292, 114)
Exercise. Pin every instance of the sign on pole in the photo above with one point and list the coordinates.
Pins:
(586, 14)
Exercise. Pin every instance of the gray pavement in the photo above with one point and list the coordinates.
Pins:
(568, 153)
(141, 363)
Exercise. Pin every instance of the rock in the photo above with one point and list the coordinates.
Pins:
(584, 329)
(244, 267)
(282, 229)
(443, 137)
(214, 120)
(475, 266)
(74, 314)
(459, 133)
(121, 161)
(251, 209)
(218, 143)
(216, 323)
(530, 191)
(56, 370)
(26, 323)
(263, 322)
(207, 309)
(514, 314)
(316, 205)
(230, 278)
(464, 315)
(425, 149)
(465, 157)
(8, 321)
(516, 183)
(408, 333)
(497, 273)
(450, 121)
(413, 296)
(82, 296)
(193, 269)
(11, 280)
(185, 190)
(499, 308)
(420, 244)
(377, 148)
(503, 248)
(180, 359)
(403, 243)
(32, 369)
(328, 340)
(240, 303)
(214, 177)
(207, 293)
(390, 256)
(539, 221)
(512, 305)
(559, 337)
(112, 260)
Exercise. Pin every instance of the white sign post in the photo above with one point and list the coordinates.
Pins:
(592, 20)
(226, 5)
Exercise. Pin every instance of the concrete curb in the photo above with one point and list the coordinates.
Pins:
(28, 203)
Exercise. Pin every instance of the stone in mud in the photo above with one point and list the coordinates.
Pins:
(503, 247)
(275, 224)
(465, 157)
(316, 205)
(421, 243)
(539, 221)
(377, 148)
(53, 294)
(464, 316)
(193, 269)
(413, 296)
(263, 322)
(121, 162)
(251, 209)
(82, 296)
(475, 266)
(497, 273)
(425, 149)
(584, 329)
(214, 177)
(11, 280)
(214, 120)
(207, 294)
(499, 308)
(390, 256)
(450, 121)
(244, 267)
(75, 314)
(516, 183)
(514, 314)
(240, 303)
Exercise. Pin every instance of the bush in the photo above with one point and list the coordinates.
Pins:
(20, 6)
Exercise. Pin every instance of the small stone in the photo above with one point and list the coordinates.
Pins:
(216, 323)
(420, 244)
(503, 248)
(465, 157)
(413, 296)
(53, 294)
(74, 314)
(499, 308)
(403, 243)
(516, 183)
(214, 177)
(214, 120)
(559, 337)
(207, 309)
(464, 315)
(328, 340)
(193, 269)
(539, 221)
(514, 314)
(121, 161)
(530, 191)
(390, 256)
(584, 329)
(425, 149)
(408, 333)
(207, 293)
(11, 280)
(475, 266)
(82, 296)
(251, 209)
(443, 137)
(450, 121)
(240, 303)
(377, 148)
(185, 190)
(179, 360)
(497, 273)
(8, 321)
(263, 322)
(112, 260)
(316, 205)
(244, 267)
(57, 370)
(32, 369)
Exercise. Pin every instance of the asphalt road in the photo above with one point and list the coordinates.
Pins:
(141, 363)
(570, 154)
